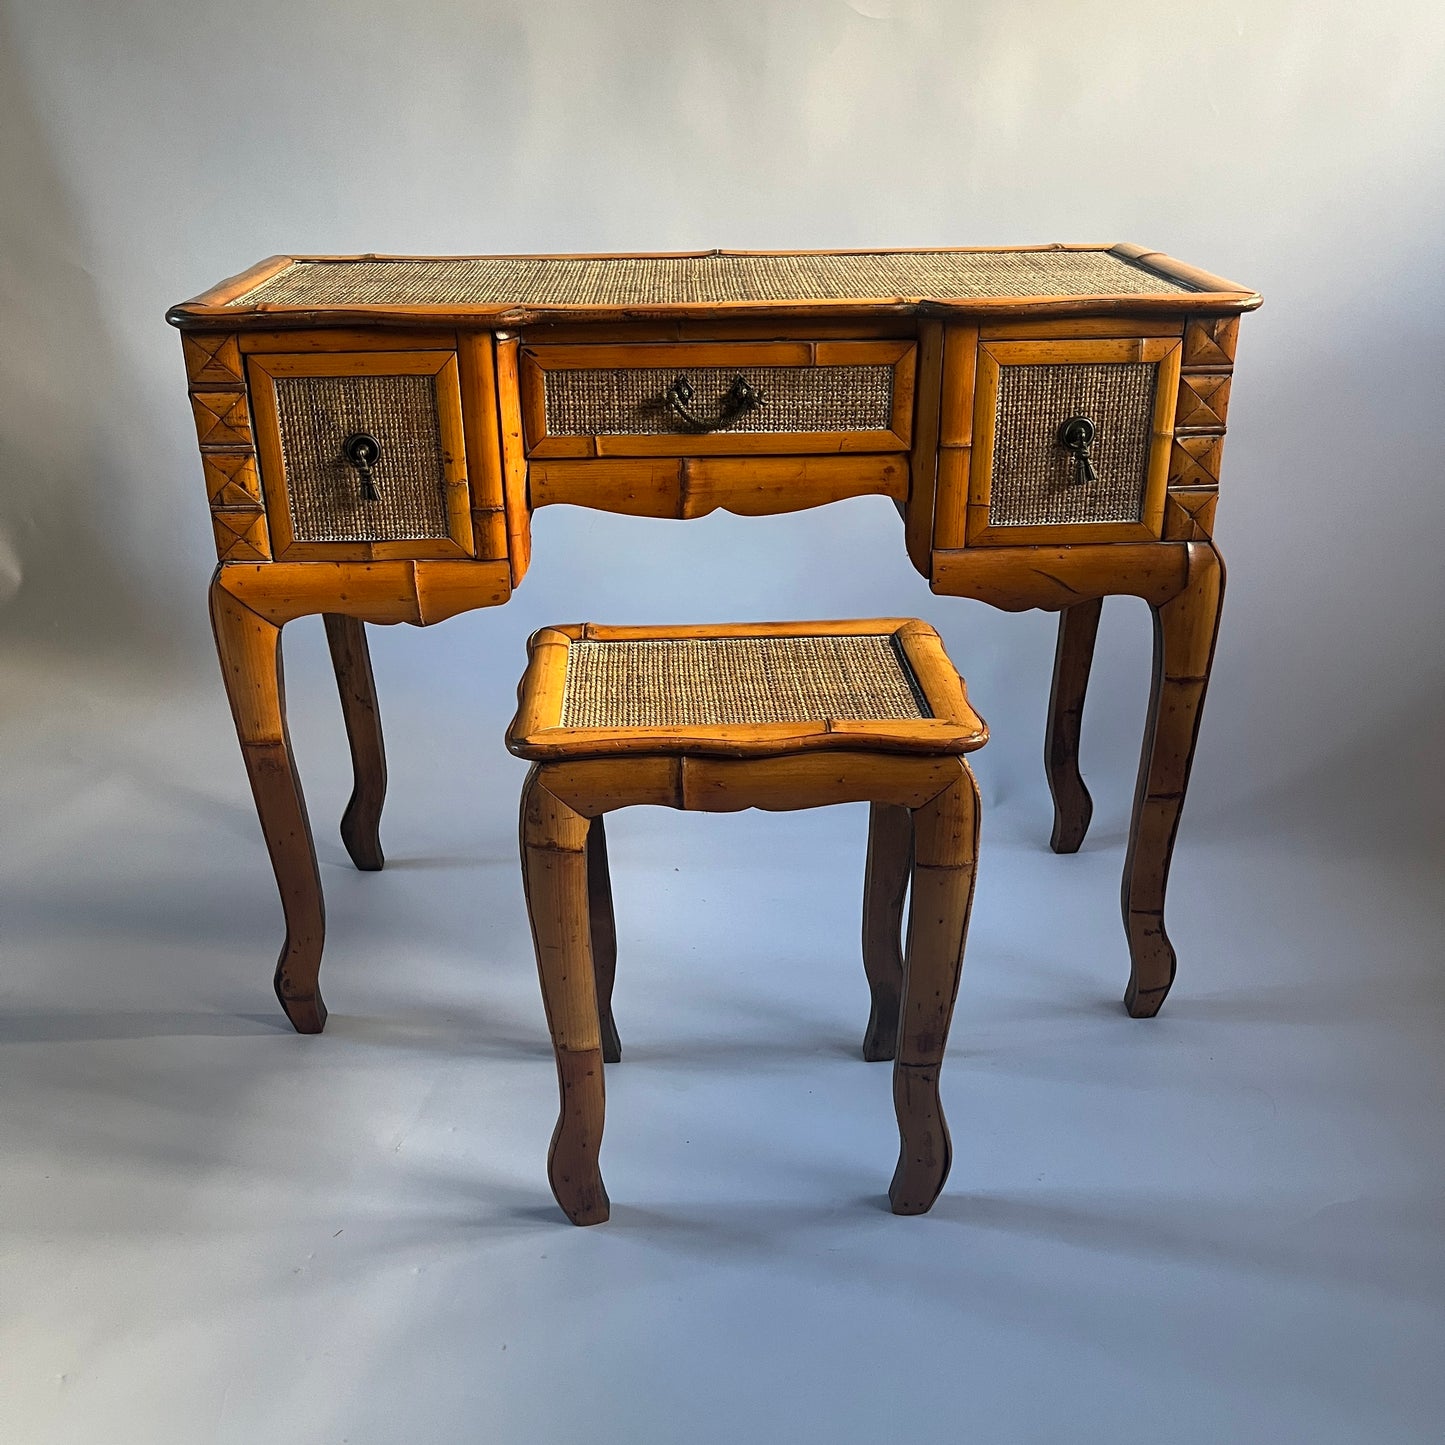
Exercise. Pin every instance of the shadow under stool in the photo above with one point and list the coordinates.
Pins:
(717, 719)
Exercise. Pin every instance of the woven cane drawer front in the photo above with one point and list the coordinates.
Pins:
(1072, 439)
(639, 400)
(362, 454)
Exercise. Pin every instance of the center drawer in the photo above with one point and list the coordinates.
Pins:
(717, 398)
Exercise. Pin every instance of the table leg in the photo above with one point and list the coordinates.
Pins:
(249, 648)
(885, 887)
(603, 927)
(554, 871)
(361, 822)
(945, 847)
(1073, 807)
(1185, 628)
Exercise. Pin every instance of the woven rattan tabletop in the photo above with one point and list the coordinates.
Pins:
(501, 286)
(734, 690)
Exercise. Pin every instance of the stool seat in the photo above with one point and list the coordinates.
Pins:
(742, 690)
(762, 715)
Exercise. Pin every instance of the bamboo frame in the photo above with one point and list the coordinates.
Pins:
(265, 369)
(745, 356)
(953, 727)
(1163, 352)
(1212, 294)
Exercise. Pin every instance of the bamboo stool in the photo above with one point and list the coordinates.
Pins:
(717, 719)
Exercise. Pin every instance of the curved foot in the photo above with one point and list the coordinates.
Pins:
(945, 845)
(572, 1168)
(1073, 658)
(555, 874)
(925, 1150)
(361, 822)
(1185, 629)
(249, 648)
(307, 1015)
(885, 887)
(1153, 965)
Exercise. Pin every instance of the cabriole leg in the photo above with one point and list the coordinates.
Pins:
(361, 822)
(885, 886)
(1073, 657)
(945, 847)
(1185, 628)
(249, 648)
(604, 936)
(554, 869)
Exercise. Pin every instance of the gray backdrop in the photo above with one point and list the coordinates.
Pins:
(148, 149)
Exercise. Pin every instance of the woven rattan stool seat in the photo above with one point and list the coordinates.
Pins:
(742, 690)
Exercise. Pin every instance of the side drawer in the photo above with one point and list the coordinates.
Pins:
(1071, 440)
(717, 398)
(362, 454)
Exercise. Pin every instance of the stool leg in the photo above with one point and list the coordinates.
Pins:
(351, 660)
(885, 886)
(554, 871)
(1073, 807)
(604, 936)
(945, 846)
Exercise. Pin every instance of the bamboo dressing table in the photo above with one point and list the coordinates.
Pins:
(376, 433)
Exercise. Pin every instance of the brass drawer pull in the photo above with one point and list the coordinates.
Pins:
(741, 396)
(1076, 434)
(363, 451)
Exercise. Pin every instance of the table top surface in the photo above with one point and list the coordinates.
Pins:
(509, 289)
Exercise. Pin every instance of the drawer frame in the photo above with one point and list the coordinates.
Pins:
(1164, 352)
(537, 360)
(264, 369)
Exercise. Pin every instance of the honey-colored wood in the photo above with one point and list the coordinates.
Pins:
(514, 458)
(1164, 352)
(1195, 460)
(928, 480)
(554, 866)
(481, 425)
(1016, 579)
(1213, 296)
(348, 338)
(745, 357)
(231, 479)
(240, 534)
(687, 487)
(952, 727)
(923, 462)
(1185, 630)
(213, 358)
(1063, 327)
(1189, 514)
(221, 416)
(441, 366)
(1073, 658)
(249, 648)
(945, 847)
(885, 887)
(1210, 341)
(1203, 400)
(890, 327)
(351, 659)
(417, 592)
(923, 837)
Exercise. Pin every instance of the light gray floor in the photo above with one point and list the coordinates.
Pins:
(1222, 1225)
